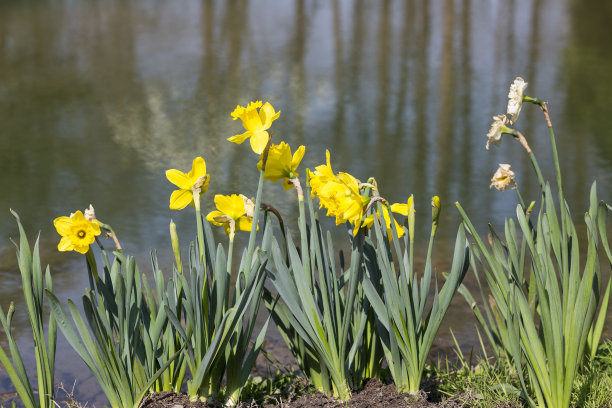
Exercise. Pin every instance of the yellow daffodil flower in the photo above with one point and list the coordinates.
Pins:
(256, 124)
(321, 176)
(281, 164)
(77, 232)
(339, 194)
(397, 208)
(186, 182)
(230, 210)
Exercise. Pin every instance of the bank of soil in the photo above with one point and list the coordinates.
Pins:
(373, 394)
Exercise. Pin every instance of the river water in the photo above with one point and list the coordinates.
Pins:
(98, 99)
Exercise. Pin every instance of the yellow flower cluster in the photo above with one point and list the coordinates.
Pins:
(339, 194)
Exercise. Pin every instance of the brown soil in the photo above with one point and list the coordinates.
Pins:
(374, 394)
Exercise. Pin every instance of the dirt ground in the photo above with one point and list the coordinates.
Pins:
(373, 394)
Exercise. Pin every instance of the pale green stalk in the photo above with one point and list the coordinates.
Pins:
(546, 330)
(34, 282)
(406, 329)
(321, 319)
(120, 338)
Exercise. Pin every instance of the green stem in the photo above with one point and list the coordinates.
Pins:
(520, 197)
(196, 201)
(534, 162)
(230, 250)
(253, 234)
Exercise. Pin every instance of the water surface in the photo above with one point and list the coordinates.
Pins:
(98, 99)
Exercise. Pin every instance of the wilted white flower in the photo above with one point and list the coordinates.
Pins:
(495, 132)
(515, 98)
(90, 214)
(503, 178)
(249, 206)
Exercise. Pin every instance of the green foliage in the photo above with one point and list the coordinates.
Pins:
(121, 338)
(547, 324)
(406, 329)
(324, 318)
(218, 324)
(34, 283)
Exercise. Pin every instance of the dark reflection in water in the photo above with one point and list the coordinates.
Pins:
(97, 99)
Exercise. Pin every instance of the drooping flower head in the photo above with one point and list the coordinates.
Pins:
(281, 165)
(515, 98)
(232, 209)
(77, 232)
(256, 124)
(196, 177)
(503, 178)
(339, 194)
(495, 132)
(322, 174)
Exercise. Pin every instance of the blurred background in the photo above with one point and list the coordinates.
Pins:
(98, 99)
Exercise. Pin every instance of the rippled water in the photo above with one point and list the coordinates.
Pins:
(98, 99)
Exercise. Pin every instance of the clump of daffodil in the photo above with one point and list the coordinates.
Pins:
(281, 165)
(191, 185)
(339, 194)
(232, 213)
(77, 232)
(503, 178)
(256, 124)
(515, 98)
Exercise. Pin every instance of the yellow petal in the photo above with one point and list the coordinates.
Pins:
(287, 184)
(267, 115)
(368, 222)
(245, 223)
(399, 229)
(259, 141)
(62, 225)
(180, 199)
(223, 203)
(297, 157)
(78, 217)
(198, 169)
(65, 244)
(251, 119)
(238, 139)
(400, 208)
(81, 248)
(212, 215)
(94, 228)
(179, 179)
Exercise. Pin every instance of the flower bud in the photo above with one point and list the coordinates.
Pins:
(176, 248)
(411, 217)
(435, 209)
